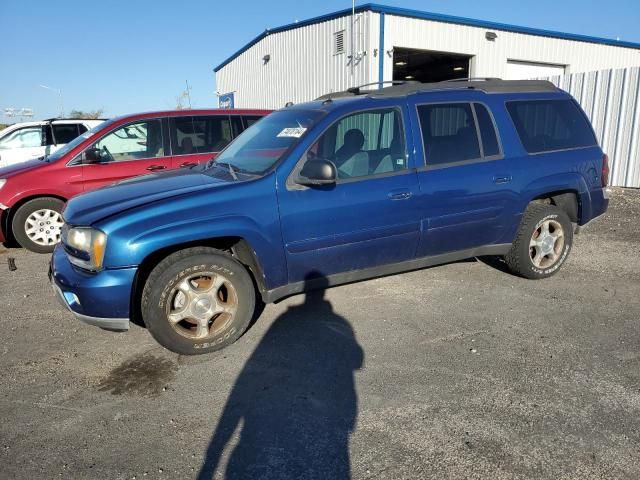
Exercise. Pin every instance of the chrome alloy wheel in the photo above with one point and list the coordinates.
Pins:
(546, 244)
(43, 227)
(202, 305)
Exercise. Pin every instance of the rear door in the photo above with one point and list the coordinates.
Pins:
(198, 138)
(466, 184)
(136, 148)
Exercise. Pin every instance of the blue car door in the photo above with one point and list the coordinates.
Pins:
(468, 188)
(369, 217)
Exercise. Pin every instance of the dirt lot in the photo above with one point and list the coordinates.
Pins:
(459, 371)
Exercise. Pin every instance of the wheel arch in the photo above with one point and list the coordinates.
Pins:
(566, 200)
(568, 191)
(239, 247)
(5, 224)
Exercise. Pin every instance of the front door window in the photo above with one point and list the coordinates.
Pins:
(134, 141)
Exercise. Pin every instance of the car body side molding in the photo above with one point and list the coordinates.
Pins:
(280, 293)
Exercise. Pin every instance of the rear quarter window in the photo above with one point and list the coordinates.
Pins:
(548, 125)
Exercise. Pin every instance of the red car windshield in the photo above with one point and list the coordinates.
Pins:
(77, 141)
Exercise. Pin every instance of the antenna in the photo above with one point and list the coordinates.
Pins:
(59, 92)
(188, 92)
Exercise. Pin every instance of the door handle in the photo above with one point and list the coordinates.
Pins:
(502, 179)
(400, 195)
(151, 168)
(187, 164)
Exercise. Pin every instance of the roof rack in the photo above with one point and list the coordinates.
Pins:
(483, 84)
(58, 119)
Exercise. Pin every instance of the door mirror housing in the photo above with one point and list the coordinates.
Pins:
(92, 155)
(317, 171)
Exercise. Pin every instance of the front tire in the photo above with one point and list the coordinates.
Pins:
(543, 242)
(36, 225)
(198, 300)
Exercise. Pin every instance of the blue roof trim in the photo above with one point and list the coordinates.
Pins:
(436, 17)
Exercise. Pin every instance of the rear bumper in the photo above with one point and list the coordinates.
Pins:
(101, 299)
(594, 204)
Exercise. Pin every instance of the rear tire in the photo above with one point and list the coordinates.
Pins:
(36, 224)
(543, 242)
(198, 300)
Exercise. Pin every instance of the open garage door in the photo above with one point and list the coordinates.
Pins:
(428, 66)
(519, 70)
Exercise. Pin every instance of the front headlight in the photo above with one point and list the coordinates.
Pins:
(2, 182)
(85, 247)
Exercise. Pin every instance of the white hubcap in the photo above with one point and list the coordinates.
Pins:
(43, 227)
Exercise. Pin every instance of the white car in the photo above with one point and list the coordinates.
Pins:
(28, 140)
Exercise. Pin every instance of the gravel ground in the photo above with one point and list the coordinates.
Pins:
(458, 371)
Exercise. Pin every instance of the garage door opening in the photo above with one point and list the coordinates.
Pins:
(428, 66)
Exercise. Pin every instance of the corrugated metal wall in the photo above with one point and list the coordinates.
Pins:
(302, 65)
(611, 100)
(489, 58)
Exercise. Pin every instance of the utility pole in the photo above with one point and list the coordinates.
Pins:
(352, 39)
(59, 92)
(188, 92)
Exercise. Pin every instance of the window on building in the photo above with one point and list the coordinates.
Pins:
(547, 125)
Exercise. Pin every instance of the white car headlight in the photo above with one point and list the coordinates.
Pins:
(2, 182)
(86, 247)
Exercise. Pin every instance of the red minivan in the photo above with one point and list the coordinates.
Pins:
(33, 193)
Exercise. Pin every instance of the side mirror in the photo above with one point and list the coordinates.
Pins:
(317, 172)
(92, 155)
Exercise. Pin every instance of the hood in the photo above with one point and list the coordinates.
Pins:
(15, 169)
(97, 205)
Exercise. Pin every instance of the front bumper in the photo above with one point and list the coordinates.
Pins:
(101, 299)
(4, 226)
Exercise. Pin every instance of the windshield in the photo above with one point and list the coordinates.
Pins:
(264, 143)
(77, 141)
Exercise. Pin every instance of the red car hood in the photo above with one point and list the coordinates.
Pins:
(11, 170)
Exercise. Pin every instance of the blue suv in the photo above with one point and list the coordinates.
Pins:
(354, 185)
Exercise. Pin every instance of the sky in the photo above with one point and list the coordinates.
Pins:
(135, 55)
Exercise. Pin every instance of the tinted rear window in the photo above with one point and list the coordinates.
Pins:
(547, 125)
(449, 133)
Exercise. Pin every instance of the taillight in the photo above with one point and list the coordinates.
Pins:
(605, 170)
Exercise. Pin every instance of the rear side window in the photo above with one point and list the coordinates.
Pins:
(251, 119)
(448, 133)
(200, 134)
(548, 125)
(64, 133)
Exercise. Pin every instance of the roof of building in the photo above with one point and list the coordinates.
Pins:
(436, 17)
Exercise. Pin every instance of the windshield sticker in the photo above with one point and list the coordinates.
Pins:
(295, 132)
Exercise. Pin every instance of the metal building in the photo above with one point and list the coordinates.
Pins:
(306, 59)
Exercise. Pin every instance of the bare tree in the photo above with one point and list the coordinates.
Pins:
(88, 115)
